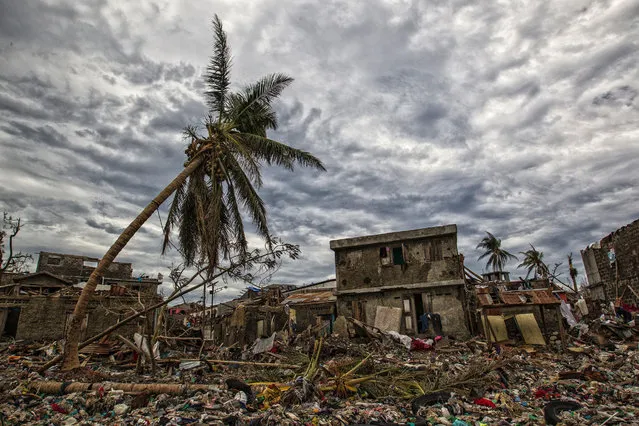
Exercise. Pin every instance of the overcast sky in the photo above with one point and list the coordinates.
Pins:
(519, 118)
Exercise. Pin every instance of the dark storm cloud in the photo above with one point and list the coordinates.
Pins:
(520, 120)
(106, 227)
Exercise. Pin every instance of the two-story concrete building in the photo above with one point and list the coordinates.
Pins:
(411, 281)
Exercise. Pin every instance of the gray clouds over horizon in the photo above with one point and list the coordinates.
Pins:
(519, 118)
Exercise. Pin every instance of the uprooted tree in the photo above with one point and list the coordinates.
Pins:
(10, 260)
(221, 173)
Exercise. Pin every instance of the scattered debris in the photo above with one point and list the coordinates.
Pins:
(372, 379)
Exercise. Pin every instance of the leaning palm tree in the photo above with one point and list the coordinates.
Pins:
(497, 256)
(220, 177)
(534, 261)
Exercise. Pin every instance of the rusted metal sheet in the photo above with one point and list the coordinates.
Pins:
(485, 299)
(310, 298)
(520, 297)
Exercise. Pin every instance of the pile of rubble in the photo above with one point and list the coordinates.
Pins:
(381, 378)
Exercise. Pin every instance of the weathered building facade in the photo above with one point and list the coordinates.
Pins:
(77, 269)
(411, 281)
(612, 264)
(37, 307)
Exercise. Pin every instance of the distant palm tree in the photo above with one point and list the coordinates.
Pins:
(573, 272)
(534, 261)
(221, 173)
(497, 257)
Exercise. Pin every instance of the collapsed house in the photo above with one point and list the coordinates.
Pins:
(312, 306)
(612, 265)
(260, 312)
(410, 282)
(506, 310)
(38, 306)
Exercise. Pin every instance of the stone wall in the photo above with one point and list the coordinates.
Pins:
(447, 301)
(430, 260)
(307, 314)
(43, 318)
(75, 268)
(615, 276)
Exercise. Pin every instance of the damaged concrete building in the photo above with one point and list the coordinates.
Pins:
(411, 282)
(260, 312)
(612, 265)
(37, 306)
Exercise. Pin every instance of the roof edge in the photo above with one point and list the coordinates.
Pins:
(392, 237)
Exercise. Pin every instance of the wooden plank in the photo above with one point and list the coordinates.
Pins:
(530, 329)
(496, 325)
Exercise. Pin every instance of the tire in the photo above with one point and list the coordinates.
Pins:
(554, 408)
(428, 400)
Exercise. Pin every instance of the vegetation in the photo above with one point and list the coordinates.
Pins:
(573, 273)
(221, 172)
(10, 260)
(497, 256)
(534, 262)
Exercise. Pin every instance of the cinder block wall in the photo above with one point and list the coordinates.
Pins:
(44, 318)
(625, 242)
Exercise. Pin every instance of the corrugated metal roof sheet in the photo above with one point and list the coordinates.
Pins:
(310, 298)
(520, 297)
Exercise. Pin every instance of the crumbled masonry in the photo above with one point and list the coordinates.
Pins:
(368, 376)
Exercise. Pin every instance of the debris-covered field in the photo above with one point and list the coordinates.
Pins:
(332, 381)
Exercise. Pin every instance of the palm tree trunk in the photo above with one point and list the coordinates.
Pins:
(71, 359)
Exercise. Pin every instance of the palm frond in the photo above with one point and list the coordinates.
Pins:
(257, 119)
(249, 197)
(235, 219)
(218, 71)
(274, 152)
(191, 217)
(173, 216)
(246, 160)
(261, 93)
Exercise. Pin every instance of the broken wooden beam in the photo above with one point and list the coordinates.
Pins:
(131, 345)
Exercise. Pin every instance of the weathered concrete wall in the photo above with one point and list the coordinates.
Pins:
(306, 315)
(73, 267)
(447, 301)
(243, 329)
(624, 271)
(433, 259)
(8, 277)
(40, 281)
(43, 318)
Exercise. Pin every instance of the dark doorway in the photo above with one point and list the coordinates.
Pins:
(419, 311)
(11, 325)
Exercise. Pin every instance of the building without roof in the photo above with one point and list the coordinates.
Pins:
(612, 265)
(37, 307)
(77, 269)
(411, 281)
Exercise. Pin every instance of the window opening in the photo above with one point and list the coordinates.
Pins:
(398, 255)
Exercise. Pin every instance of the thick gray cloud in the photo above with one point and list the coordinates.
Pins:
(518, 119)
